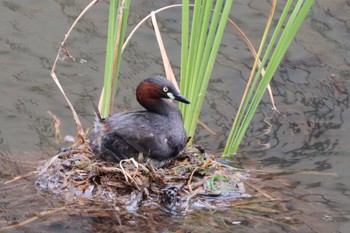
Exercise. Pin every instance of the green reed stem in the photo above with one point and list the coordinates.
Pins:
(255, 94)
(207, 29)
(117, 20)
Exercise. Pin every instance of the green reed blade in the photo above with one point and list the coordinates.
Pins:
(298, 15)
(111, 69)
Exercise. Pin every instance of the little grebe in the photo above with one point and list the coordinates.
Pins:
(156, 134)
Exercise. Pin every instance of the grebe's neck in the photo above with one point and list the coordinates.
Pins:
(162, 107)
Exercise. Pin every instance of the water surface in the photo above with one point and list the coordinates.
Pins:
(310, 88)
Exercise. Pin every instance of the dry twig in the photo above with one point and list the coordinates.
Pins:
(64, 50)
(40, 215)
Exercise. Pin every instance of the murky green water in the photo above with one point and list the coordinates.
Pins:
(311, 92)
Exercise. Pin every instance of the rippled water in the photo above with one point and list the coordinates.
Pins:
(310, 88)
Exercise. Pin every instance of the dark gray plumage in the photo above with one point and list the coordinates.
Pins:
(156, 132)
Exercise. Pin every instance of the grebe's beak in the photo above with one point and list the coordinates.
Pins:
(179, 97)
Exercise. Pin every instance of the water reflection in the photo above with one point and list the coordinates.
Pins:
(8, 167)
(316, 109)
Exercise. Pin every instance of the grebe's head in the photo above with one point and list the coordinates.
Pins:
(150, 90)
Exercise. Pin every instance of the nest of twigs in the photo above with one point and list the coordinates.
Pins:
(193, 176)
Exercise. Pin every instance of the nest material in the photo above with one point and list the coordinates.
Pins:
(193, 175)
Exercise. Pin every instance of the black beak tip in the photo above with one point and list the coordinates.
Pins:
(182, 99)
(186, 102)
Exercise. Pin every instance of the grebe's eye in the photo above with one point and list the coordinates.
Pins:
(165, 89)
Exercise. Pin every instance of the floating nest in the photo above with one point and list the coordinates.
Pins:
(192, 177)
(76, 183)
